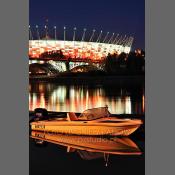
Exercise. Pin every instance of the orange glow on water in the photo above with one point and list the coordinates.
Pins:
(143, 103)
(77, 99)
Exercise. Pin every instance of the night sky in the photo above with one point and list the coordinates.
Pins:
(118, 16)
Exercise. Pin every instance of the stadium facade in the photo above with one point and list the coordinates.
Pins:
(95, 49)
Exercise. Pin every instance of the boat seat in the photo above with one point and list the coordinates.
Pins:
(71, 116)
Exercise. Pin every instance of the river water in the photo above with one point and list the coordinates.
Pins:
(51, 157)
(76, 98)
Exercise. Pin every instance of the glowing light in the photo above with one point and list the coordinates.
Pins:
(143, 103)
(77, 99)
(75, 49)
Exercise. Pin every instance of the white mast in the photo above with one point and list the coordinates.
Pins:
(55, 29)
(91, 38)
(30, 34)
(99, 37)
(64, 34)
(74, 33)
(46, 33)
(118, 41)
(84, 33)
(37, 31)
(114, 41)
(122, 42)
(111, 38)
(106, 37)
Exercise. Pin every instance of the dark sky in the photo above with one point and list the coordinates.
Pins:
(118, 16)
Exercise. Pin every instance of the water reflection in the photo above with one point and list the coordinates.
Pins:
(54, 97)
(87, 147)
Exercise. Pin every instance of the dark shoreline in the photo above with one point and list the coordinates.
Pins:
(135, 79)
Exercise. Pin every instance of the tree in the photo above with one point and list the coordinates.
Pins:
(136, 62)
(111, 63)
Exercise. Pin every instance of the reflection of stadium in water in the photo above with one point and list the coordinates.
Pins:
(121, 100)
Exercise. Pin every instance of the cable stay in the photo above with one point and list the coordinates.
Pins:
(111, 38)
(106, 37)
(99, 37)
(91, 38)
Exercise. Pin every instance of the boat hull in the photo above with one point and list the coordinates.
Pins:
(87, 128)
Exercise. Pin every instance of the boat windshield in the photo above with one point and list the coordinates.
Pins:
(94, 113)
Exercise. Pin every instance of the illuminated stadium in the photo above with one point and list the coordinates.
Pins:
(96, 47)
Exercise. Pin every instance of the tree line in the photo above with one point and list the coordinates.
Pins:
(132, 63)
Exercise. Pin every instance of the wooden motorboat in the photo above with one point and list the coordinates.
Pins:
(96, 121)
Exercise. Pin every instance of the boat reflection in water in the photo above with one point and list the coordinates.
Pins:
(89, 147)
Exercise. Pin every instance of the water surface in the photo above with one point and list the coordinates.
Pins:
(76, 98)
(52, 159)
